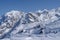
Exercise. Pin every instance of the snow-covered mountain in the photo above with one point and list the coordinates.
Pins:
(20, 24)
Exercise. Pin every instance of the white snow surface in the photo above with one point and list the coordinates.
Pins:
(39, 25)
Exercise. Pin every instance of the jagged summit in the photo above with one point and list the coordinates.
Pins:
(17, 22)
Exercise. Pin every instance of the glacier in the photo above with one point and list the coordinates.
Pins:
(38, 25)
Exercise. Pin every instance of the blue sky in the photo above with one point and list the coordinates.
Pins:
(27, 5)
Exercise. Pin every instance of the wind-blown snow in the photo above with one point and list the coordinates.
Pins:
(40, 25)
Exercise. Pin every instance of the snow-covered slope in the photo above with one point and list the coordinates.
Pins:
(32, 26)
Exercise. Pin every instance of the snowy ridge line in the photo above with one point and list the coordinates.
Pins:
(17, 22)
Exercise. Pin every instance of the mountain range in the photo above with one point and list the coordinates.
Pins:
(39, 23)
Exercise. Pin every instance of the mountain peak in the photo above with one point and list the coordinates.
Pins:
(14, 22)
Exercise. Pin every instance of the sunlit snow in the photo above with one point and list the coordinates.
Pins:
(40, 25)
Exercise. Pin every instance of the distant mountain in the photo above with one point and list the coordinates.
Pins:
(17, 22)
